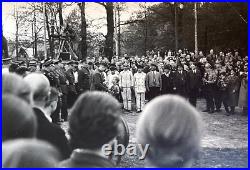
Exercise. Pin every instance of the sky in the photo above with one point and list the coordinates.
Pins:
(94, 12)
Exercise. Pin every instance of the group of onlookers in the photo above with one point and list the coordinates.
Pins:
(31, 139)
(164, 88)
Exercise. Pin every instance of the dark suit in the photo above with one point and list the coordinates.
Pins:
(72, 94)
(84, 79)
(86, 160)
(180, 83)
(167, 84)
(52, 133)
(194, 84)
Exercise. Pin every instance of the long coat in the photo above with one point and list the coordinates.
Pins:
(167, 83)
(84, 79)
(193, 82)
(180, 84)
(243, 101)
(233, 90)
(52, 133)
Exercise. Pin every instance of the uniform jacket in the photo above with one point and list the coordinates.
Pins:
(233, 90)
(52, 133)
(126, 79)
(140, 82)
(62, 79)
(71, 78)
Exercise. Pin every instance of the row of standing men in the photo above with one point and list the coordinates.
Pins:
(216, 85)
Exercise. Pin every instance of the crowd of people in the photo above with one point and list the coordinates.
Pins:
(36, 97)
(219, 78)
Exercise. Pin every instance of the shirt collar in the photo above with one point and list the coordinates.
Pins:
(44, 113)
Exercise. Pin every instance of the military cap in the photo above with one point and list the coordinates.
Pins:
(140, 67)
(48, 63)
(154, 64)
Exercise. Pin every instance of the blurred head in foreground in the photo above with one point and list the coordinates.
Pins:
(40, 88)
(18, 119)
(14, 84)
(94, 120)
(29, 153)
(172, 128)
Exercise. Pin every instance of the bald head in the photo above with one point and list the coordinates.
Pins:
(40, 86)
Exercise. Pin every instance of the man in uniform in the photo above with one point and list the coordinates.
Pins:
(72, 94)
(98, 81)
(126, 83)
(63, 83)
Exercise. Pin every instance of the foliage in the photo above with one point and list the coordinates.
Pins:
(220, 26)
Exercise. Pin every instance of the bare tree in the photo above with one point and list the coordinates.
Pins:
(83, 31)
(108, 49)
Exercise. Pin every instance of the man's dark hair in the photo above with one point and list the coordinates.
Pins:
(94, 120)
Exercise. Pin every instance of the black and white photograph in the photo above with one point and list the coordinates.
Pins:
(124, 84)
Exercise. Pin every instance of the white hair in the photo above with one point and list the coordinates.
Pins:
(172, 128)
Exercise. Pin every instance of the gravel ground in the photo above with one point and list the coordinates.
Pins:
(224, 141)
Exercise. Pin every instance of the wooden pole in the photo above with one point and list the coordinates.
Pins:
(176, 27)
(195, 29)
(44, 24)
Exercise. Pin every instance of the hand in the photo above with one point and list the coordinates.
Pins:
(174, 88)
(67, 82)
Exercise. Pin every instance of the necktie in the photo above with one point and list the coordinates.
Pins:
(154, 78)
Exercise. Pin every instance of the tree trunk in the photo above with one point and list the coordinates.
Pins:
(60, 14)
(110, 30)
(17, 26)
(119, 32)
(5, 47)
(52, 45)
(49, 35)
(146, 34)
(83, 32)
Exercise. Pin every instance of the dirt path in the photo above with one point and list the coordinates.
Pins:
(224, 141)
